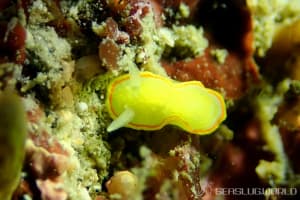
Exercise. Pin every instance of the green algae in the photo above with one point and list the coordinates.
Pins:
(267, 103)
(12, 149)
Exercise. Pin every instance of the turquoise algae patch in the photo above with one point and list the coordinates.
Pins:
(147, 101)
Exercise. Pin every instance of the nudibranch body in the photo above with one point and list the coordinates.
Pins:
(147, 101)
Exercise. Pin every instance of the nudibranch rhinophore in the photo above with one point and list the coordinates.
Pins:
(146, 101)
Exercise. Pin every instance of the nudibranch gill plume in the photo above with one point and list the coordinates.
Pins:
(146, 101)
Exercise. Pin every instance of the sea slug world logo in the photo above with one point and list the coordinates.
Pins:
(211, 190)
(257, 191)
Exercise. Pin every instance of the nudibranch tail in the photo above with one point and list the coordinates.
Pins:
(158, 101)
(201, 109)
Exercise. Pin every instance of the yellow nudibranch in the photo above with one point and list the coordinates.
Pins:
(146, 101)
